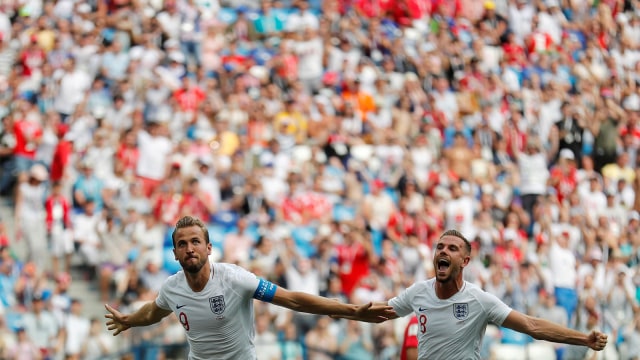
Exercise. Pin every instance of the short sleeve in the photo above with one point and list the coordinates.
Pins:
(162, 300)
(243, 281)
(402, 302)
(497, 311)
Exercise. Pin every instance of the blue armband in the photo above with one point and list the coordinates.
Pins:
(266, 291)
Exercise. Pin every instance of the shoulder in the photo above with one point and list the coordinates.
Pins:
(175, 280)
(422, 286)
(477, 293)
(229, 270)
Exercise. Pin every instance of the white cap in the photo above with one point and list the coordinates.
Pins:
(177, 56)
(39, 172)
(567, 154)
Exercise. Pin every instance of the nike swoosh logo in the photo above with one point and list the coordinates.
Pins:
(421, 309)
(180, 306)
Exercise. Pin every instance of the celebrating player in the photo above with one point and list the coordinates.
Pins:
(453, 314)
(214, 301)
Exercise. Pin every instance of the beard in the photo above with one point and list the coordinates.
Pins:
(191, 267)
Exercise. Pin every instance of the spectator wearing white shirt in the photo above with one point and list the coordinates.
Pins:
(310, 51)
(520, 14)
(302, 18)
(459, 211)
(533, 168)
(86, 238)
(562, 264)
(41, 326)
(74, 83)
(155, 148)
(593, 200)
(75, 331)
(148, 234)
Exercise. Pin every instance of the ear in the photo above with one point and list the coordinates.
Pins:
(466, 260)
(209, 249)
(175, 257)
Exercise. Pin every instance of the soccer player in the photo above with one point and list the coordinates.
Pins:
(453, 314)
(214, 301)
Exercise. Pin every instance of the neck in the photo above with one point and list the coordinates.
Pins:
(199, 280)
(445, 290)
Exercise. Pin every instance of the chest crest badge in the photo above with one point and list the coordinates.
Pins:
(461, 310)
(217, 304)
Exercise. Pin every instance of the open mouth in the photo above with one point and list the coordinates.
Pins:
(443, 264)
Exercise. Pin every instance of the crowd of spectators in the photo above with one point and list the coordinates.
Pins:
(327, 144)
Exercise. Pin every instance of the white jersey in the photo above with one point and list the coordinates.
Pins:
(456, 323)
(218, 320)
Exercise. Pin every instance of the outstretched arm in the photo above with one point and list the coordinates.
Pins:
(148, 314)
(303, 302)
(546, 330)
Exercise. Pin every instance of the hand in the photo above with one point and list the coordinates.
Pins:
(597, 340)
(374, 313)
(116, 320)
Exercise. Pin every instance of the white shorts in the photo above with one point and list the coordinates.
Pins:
(61, 243)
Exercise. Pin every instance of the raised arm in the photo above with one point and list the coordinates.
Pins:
(541, 329)
(148, 314)
(303, 302)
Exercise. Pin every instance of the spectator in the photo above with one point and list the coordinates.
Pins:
(87, 187)
(116, 249)
(321, 341)
(355, 343)
(97, 344)
(41, 328)
(76, 329)
(30, 212)
(86, 239)
(266, 340)
(24, 348)
(59, 227)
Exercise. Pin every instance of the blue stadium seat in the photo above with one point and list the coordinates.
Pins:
(303, 237)
(253, 231)
(217, 234)
(168, 240)
(170, 264)
(342, 212)
(13, 320)
(395, 196)
(226, 219)
(515, 338)
(377, 236)
(227, 15)
(281, 13)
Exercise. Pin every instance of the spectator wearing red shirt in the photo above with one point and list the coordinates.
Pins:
(189, 96)
(28, 134)
(409, 350)
(32, 57)
(563, 177)
(61, 155)
(195, 202)
(58, 222)
(401, 223)
(354, 258)
(128, 152)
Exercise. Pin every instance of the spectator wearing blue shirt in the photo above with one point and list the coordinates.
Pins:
(87, 187)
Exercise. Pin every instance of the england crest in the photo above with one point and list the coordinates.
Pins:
(461, 311)
(216, 304)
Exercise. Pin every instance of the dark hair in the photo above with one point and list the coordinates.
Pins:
(189, 221)
(459, 235)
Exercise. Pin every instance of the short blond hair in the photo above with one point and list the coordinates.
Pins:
(458, 234)
(189, 221)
